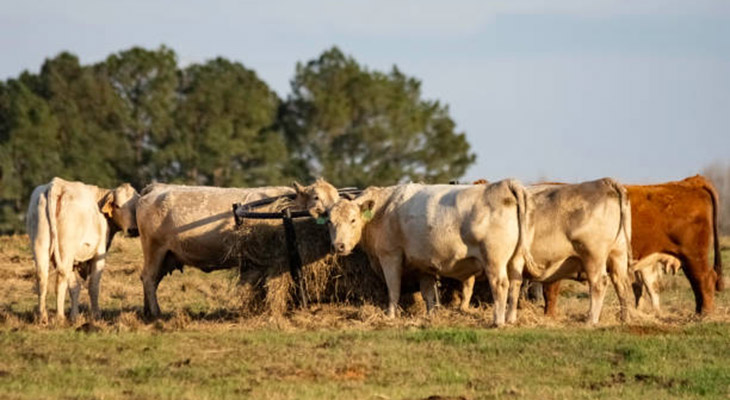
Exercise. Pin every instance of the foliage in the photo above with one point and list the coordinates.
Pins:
(361, 127)
(139, 117)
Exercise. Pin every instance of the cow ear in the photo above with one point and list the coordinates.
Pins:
(106, 204)
(297, 187)
(367, 205)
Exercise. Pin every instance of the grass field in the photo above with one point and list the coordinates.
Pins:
(204, 349)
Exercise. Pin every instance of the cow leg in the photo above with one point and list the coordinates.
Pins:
(702, 278)
(428, 291)
(638, 287)
(550, 293)
(151, 276)
(467, 290)
(42, 264)
(392, 265)
(499, 284)
(514, 273)
(97, 267)
(618, 271)
(61, 287)
(74, 289)
(654, 295)
(597, 282)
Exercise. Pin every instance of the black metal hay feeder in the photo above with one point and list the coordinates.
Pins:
(246, 211)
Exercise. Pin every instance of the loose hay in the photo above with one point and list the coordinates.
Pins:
(266, 285)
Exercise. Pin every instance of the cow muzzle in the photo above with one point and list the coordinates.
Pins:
(339, 248)
(132, 232)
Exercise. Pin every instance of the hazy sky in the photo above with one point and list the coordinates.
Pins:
(569, 90)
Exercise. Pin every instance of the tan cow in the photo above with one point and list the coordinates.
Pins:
(71, 224)
(647, 271)
(452, 230)
(583, 228)
(193, 225)
(317, 197)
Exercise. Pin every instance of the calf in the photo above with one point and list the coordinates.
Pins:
(647, 272)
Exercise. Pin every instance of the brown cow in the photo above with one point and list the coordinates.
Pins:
(677, 218)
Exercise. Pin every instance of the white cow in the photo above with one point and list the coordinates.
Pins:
(193, 225)
(583, 228)
(71, 224)
(452, 230)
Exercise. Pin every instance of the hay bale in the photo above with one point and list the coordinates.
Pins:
(266, 285)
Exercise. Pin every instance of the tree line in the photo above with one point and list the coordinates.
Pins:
(138, 117)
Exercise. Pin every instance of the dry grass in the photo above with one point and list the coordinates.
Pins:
(345, 294)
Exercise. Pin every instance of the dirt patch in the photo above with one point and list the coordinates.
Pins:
(620, 378)
(615, 379)
(660, 381)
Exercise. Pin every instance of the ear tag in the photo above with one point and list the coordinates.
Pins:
(367, 215)
(321, 220)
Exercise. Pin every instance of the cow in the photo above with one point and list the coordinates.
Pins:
(647, 272)
(317, 197)
(677, 218)
(582, 228)
(71, 225)
(455, 231)
(193, 225)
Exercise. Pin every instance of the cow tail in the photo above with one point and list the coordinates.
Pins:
(624, 218)
(719, 285)
(54, 194)
(523, 241)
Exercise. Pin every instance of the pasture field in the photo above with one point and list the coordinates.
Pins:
(203, 348)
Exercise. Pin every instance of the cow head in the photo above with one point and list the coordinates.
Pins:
(316, 198)
(347, 219)
(120, 207)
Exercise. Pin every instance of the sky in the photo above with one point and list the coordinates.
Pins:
(567, 90)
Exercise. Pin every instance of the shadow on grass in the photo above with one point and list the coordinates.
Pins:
(11, 316)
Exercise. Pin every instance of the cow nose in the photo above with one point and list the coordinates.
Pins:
(132, 232)
(340, 247)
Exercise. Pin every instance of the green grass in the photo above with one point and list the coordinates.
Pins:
(625, 362)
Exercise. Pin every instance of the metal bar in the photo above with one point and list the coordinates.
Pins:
(241, 212)
(295, 260)
(244, 211)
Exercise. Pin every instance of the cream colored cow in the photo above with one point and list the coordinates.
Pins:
(71, 224)
(583, 228)
(193, 225)
(455, 231)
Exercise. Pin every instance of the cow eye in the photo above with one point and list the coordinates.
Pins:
(316, 197)
(353, 221)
